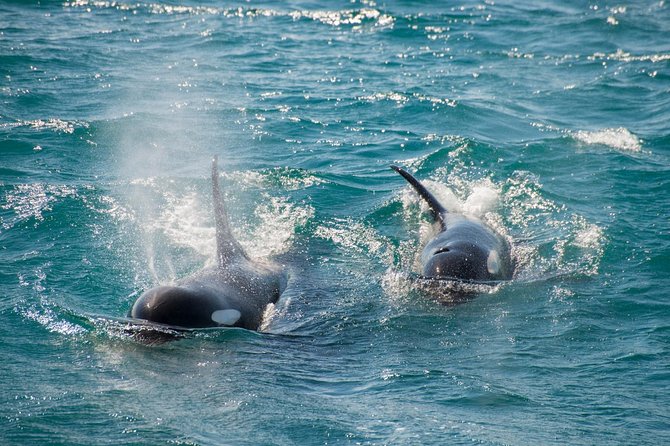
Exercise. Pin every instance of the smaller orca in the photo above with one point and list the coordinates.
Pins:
(234, 293)
(464, 248)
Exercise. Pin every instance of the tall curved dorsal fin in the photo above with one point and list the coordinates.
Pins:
(436, 209)
(227, 247)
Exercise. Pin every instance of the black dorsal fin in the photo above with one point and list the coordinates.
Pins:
(436, 209)
(227, 246)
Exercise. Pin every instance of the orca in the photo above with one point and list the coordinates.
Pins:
(464, 248)
(233, 293)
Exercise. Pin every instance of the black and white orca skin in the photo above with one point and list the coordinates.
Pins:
(464, 248)
(234, 293)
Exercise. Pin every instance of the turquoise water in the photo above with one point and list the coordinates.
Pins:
(550, 122)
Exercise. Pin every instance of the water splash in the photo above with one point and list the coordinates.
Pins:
(276, 224)
(399, 284)
(547, 239)
(552, 240)
(177, 231)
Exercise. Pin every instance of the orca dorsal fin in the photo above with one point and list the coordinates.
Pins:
(436, 209)
(227, 247)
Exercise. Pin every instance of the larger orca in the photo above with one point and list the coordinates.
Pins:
(464, 248)
(233, 293)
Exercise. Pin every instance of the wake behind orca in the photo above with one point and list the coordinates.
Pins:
(464, 248)
(234, 293)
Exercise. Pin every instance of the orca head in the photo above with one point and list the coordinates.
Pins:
(461, 260)
(182, 307)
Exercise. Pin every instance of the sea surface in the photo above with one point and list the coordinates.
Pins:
(549, 120)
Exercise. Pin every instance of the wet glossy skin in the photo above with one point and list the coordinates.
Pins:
(467, 250)
(235, 296)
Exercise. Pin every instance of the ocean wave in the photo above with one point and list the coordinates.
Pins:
(623, 56)
(33, 200)
(348, 17)
(402, 98)
(617, 138)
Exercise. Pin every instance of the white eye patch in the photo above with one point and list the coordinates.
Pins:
(226, 317)
(493, 262)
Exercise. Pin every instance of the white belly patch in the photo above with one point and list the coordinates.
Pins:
(226, 317)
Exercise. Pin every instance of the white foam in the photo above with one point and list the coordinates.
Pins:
(435, 101)
(481, 200)
(401, 98)
(617, 138)
(351, 17)
(112, 207)
(550, 240)
(622, 56)
(589, 236)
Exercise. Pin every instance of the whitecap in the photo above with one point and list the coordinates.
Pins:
(55, 124)
(617, 138)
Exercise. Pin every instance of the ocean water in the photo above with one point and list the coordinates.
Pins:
(550, 120)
